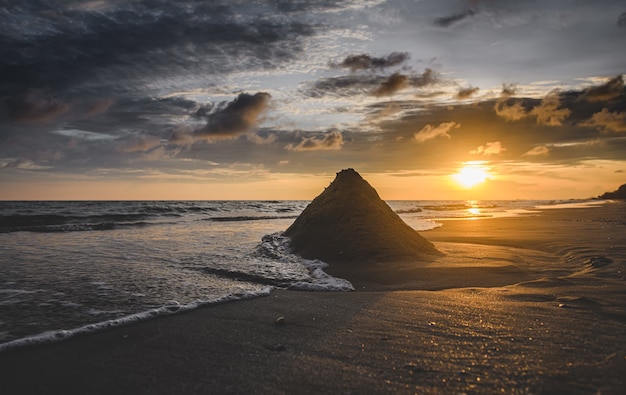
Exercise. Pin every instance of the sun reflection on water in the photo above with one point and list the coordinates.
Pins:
(474, 211)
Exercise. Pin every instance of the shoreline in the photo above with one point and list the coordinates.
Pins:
(482, 331)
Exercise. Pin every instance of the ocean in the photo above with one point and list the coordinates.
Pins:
(70, 267)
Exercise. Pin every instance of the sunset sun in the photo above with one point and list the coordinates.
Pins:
(472, 174)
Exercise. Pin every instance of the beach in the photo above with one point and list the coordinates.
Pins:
(529, 304)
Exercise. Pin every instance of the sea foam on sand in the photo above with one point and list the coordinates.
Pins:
(170, 308)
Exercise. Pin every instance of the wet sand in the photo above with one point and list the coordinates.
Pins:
(522, 305)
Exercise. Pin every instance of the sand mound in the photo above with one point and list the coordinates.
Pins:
(348, 222)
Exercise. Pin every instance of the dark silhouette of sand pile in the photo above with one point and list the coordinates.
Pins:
(349, 222)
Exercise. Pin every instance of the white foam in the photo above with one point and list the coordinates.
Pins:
(575, 204)
(277, 247)
(321, 281)
(169, 308)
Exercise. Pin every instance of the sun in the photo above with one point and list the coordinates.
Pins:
(472, 174)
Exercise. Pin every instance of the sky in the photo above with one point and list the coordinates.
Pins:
(198, 100)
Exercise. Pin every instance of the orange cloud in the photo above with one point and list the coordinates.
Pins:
(540, 150)
(607, 121)
(429, 132)
(330, 141)
(513, 112)
(548, 113)
(491, 148)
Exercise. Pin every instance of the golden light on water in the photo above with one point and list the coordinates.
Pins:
(473, 211)
(472, 173)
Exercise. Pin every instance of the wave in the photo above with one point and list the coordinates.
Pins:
(52, 223)
(248, 218)
(170, 308)
(73, 216)
(276, 247)
(409, 211)
(457, 206)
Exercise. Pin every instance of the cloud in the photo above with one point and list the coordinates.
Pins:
(508, 90)
(84, 51)
(32, 106)
(540, 150)
(329, 141)
(344, 86)
(182, 136)
(428, 77)
(391, 85)
(621, 21)
(491, 148)
(23, 164)
(367, 62)
(607, 121)
(513, 112)
(447, 21)
(85, 135)
(237, 117)
(429, 132)
(256, 138)
(548, 113)
(466, 93)
(611, 89)
(367, 84)
(141, 144)
(99, 107)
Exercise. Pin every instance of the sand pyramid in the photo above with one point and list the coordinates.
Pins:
(349, 222)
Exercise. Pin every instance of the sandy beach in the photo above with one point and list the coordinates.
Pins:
(533, 304)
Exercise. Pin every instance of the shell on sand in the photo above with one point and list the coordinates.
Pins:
(349, 222)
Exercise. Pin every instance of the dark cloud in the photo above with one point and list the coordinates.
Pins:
(349, 85)
(297, 6)
(466, 93)
(610, 90)
(508, 90)
(141, 144)
(142, 115)
(33, 106)
(391, 85)
(447, 21)
(99, 107)
(621, 21)
(428, 77)
(365, 84)
(368, 62)
(71, 48)
(236, 117)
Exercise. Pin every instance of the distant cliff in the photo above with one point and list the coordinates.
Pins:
(619, 194)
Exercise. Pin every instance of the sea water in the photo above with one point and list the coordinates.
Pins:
(69, 267)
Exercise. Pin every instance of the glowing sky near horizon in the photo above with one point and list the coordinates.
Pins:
(112, 99)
